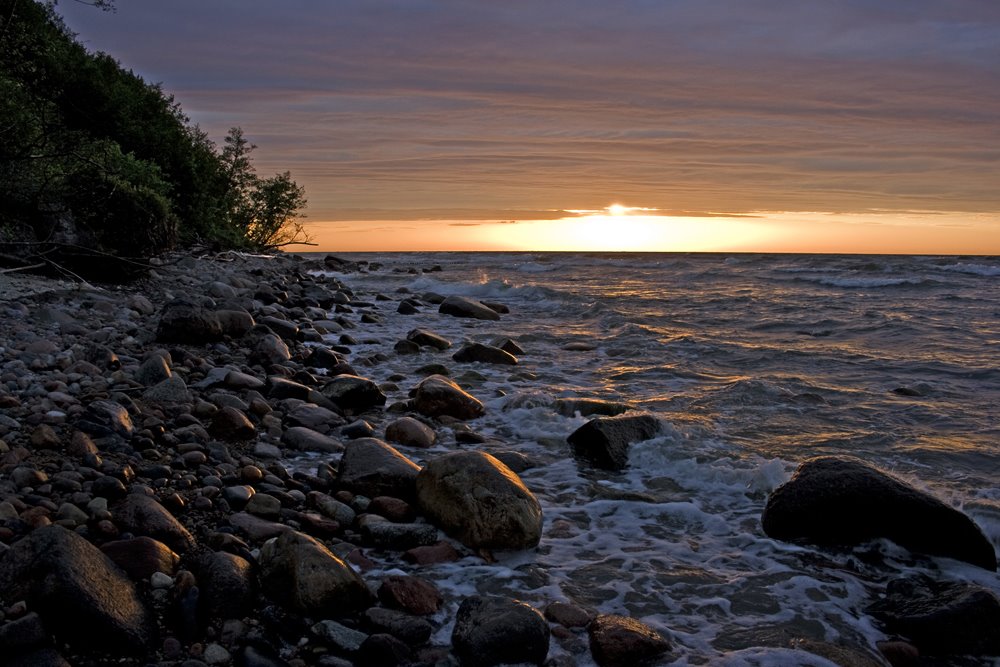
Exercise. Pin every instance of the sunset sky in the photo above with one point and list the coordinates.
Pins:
(758, 125)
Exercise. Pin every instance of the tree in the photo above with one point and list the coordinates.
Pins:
(265, 211)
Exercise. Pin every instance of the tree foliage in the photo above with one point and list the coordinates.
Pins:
(92, 154)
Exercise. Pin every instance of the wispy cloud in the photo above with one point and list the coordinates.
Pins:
(463, 110)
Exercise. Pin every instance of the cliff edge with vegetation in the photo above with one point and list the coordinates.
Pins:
(99, 167)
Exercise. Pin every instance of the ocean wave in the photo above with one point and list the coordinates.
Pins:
(865, 282)
(499, 288)
(972, 269)
(536, 267)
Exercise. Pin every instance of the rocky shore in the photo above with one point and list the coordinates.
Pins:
(149, 514)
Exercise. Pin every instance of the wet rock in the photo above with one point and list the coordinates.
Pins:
(354, 394)
(141, 557)
(844, 501)
(237, 380)
(587, 407)
(462, 306)
(272, 350)
(373, 468)
(232, 425)
(406, 347)
(264, 505)
(568, 615)
(258, 529)
(441, 552)
(604, 441)
(478, 500)
(79, 593)
(313, 416)
(508, 345)
(941, 618)
(307, 440)
(171, 390)
(358, 429)
(227, 584)
(153, 370)
(341, 637)
(393, 509)
(410, 594)
(301, 574)
(423, 337)
(143, 515)
(279, 388)
(332, 508)
(44, 436)
(620, 641)
(409, 431)
(104, 418)
(235, 323)
(487, 354)
(287, 330)
(183, 321)
(383, 650)
(384, 534)
(495, 631)
(411, 629)
(437, 396)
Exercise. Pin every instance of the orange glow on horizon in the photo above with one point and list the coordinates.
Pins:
(619, 228)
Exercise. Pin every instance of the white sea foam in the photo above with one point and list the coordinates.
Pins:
(711, 348)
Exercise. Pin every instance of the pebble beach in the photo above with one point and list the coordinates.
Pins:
(198, 468)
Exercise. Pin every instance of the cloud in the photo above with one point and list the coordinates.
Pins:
(449, 109)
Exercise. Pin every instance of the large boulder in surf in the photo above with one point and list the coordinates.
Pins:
(486, 354)
(303, 576)
(78, 591)
(423, 337)
(499, 631)
(605, 441)
(622, 641)
(840, 500)
(437, 396)
(941, 617)
(463, 306)
(479, 501)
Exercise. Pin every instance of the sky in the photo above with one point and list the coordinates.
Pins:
(717, 125)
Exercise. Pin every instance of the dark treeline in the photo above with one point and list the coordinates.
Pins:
(92, 156)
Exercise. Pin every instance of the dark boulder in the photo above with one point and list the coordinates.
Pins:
(143, 515)
(373, 468)
(496, 631)
(354, 394)
(183, 321)
(605, 441)
(844, 501)
(487, 354)
(302, 575)
(479, 501)
(227, 584)
(140, 557)
(941, 618)
(80, 594)
(437, 396)
(620, 641)
(423, 337)
(462, 306)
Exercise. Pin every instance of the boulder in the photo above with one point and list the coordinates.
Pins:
(183, 321)
(487, 354)
(302, 575)
(835, 500)
(620, 641)
(232, 425)
(941, 618)
(313, 416)
(153, 370)
(412, 630)
(307, 440)
(353, 394)
(170, 391)
(227, 584)
(279, 388)
(373, 468)
(604, 441)
(497, 631)
(80, 594)
(143, 515)
(140, 557)
(463, 306)
(410, 594)
(479, 501)
(423, 337)
(409, 431)
(272, 350)
(104, 418)
(587, 407)
(235, 323)
(437, 396)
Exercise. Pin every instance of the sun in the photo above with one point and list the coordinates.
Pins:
(618, 209)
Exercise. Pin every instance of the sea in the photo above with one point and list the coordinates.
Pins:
(752, 363)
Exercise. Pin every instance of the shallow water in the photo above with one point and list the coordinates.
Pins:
(753, 363)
